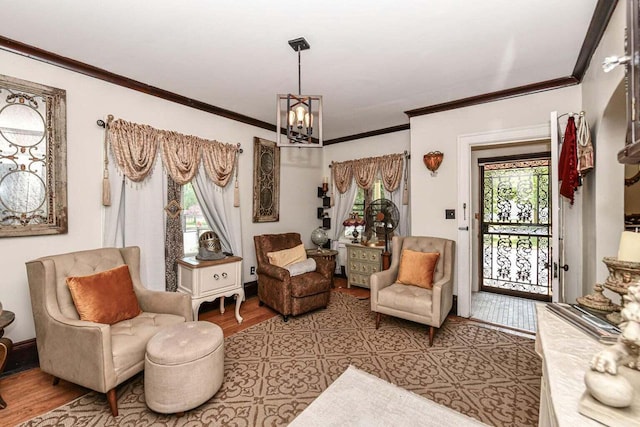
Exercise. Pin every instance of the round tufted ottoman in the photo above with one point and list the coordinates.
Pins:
(183, 367)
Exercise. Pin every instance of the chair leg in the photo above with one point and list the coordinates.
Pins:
(285, 318)
(260, 303)
(113, 401)
(378, 317)
(432, 332)
(56, 380)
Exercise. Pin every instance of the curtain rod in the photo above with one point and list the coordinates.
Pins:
(407, 155)
(103, 125)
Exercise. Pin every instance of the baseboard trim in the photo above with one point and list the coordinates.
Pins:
(251, 289)
(23, 356)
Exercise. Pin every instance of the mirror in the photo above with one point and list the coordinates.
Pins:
(33, 178)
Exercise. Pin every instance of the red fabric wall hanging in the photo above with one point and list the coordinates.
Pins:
(568, 167)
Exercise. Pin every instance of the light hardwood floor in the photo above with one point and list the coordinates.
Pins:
(31, 393)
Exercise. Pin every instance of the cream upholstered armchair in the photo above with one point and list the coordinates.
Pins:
(96, 355)
(429, 306)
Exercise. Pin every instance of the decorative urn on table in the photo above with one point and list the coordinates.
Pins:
(613, 380)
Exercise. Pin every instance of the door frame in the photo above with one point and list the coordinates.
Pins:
(466, 143)
(539, 155)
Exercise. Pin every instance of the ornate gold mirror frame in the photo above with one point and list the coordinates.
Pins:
(266, 181)
(33, 159)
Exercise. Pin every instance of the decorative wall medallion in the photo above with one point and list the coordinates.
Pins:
(266, 181)
(173, 209)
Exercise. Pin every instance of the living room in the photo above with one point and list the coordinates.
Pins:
(598, 209)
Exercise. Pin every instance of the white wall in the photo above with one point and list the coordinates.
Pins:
(90, 99)
(604, 101)
(390, 143)
(439, 131)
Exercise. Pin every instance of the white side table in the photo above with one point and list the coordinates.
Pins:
(208, 280)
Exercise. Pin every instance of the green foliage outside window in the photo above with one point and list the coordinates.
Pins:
(193, 221)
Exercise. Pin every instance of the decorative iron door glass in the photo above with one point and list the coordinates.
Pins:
(32, 159)
(516, 228)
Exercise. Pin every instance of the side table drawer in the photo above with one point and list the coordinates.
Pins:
(207, 280)
(361, 280)
(363, 267)
(364, 254)
(216, 278)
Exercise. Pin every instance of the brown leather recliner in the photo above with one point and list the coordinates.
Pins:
(285, 294)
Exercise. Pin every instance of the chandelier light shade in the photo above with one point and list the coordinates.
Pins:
(432, 161)
(299, 115)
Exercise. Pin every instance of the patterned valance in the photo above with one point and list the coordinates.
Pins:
(363, 172)
(135, 147)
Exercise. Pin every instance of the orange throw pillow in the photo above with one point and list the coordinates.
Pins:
(416, 268)
(105, 297)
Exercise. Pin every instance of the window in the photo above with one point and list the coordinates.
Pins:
(193, 221)
(33, 179)
(363, 198)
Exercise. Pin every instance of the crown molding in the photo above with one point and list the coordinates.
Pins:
(599, 21)
(495, 96)
(51, 58)
(376, 132)
(601, 17)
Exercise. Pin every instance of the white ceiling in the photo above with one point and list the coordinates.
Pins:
(370, 59)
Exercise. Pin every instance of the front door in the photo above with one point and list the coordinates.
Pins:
(515, 232)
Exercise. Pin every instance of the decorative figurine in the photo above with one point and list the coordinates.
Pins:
(603, 381)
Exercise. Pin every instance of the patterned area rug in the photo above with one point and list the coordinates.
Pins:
(274, 370)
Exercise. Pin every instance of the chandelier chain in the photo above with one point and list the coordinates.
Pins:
(299, 73)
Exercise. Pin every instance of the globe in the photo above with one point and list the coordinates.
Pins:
(319, 237)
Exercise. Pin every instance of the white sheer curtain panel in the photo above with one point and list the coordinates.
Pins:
(403, 210)
(136, 217)
(339, 212)
(217, 207)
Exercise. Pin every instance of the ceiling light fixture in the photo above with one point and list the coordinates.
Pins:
(302, 114)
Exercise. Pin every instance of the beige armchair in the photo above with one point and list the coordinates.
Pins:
(426, 306)
(94, 355)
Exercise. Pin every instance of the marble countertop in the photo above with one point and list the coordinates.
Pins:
(566, 352)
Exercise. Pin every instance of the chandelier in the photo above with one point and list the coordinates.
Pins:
(301, 114)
